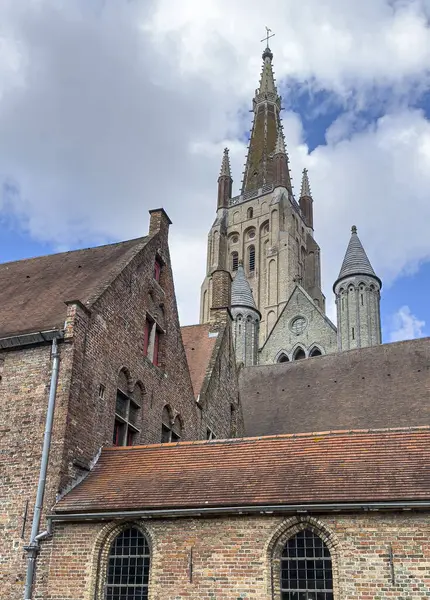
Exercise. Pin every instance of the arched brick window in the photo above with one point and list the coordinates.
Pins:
(171, 428)
(306, 568)
(128, 567)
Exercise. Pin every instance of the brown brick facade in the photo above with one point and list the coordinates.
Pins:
(238, 557)
(101, 341)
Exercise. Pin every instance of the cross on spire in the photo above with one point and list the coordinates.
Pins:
(268, 36)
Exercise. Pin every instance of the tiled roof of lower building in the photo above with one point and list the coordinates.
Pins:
(33, 291)
(361, 466)
(199, 342)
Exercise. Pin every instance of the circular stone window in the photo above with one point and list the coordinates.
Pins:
(234, 239)
(298, 325)
(251, 234)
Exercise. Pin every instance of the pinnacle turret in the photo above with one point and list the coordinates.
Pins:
(241, 293)
(306, 188)
(225, 165)
(267, 81)
(280, 143)
(356, 261)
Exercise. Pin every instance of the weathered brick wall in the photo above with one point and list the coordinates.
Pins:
(238, 557)
(221, 410)
(24, 390)
(99, 343)
(113, 339)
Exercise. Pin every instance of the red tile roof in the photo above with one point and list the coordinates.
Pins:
(33, 291)
(198, 348)
(372, 466)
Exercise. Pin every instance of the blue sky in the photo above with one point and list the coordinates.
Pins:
(108, 110)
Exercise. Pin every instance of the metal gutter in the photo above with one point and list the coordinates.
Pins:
(35, 337)
(242, 510)
(35, 537)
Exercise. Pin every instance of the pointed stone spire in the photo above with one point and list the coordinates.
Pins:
(241, 293)
(259, 168)
(305, 201)
(267, 80)
(225, 182)
(225, 165)
(306, 188)
(356, 261)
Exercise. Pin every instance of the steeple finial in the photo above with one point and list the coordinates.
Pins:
(306, 188)
(267, 53)
(353, 229)
(225, 165)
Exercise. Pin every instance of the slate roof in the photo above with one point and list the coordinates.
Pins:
(356, 261)
(381, 386)
(241, 293)
(361, 466)
(33, 291)
(199, 345)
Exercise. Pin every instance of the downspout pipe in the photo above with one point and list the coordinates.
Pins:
(35, 537)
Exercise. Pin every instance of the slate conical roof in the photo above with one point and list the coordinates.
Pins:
(241, 293)
(356, 261)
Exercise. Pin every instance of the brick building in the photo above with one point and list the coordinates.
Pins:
(335, 516)
(123, 376)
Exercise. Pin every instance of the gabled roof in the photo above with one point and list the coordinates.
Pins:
(33, 291)
(356, 261)
(241, 293)
(341, 467)
(199, 342)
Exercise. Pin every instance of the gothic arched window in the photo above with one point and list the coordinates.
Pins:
(128, 567)
(171, 428)
(283, 358)
(306, 568)
(249, 213)
(251, 258)
(299, 354)
(315, 352)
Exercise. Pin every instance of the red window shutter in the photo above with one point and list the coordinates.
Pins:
(130, 436)
(156, 346)
(157, 269)
(146, 337)
(116, 430)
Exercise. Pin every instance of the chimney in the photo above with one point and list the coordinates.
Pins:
(159, 222)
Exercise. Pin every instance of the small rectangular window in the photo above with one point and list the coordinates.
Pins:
(102, 390)
(362, 300)
(353, 333)
(165, 434)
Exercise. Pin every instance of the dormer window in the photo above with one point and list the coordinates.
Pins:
(157, 269)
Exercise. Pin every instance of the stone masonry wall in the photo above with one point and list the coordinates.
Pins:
(238, 557)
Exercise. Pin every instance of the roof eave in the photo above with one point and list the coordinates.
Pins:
(265, 509)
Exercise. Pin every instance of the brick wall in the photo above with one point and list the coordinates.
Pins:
(24, 390)
(238, 557)
(98, 344)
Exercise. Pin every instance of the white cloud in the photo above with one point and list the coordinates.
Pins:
(405, 326)
(109, 109)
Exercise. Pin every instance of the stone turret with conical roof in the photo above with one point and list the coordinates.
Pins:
(357, 291)
(246, 319)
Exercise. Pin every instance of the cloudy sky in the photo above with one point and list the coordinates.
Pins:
(111, 107)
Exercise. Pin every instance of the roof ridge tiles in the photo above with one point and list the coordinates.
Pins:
(285, 436)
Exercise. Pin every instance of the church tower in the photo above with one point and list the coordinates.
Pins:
(357, 291)
(264, 226)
